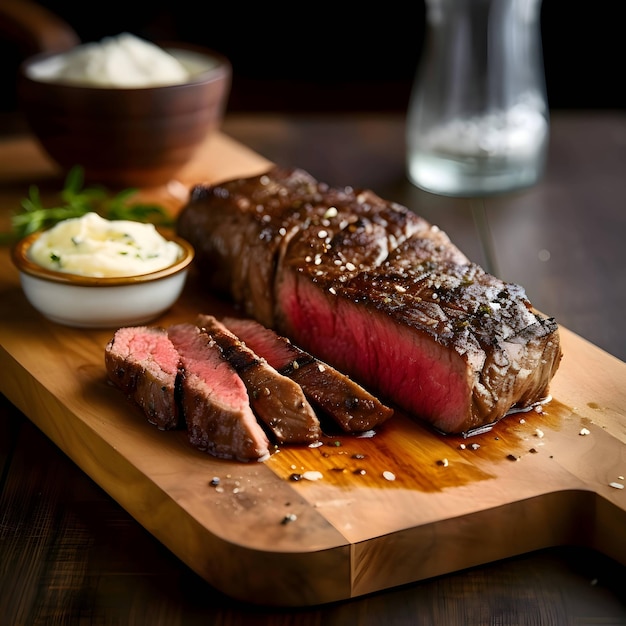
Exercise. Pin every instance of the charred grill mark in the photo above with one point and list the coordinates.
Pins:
(238, 358)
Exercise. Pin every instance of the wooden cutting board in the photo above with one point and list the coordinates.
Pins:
(398, 507)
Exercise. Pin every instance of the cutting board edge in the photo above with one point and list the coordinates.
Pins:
(562, 517)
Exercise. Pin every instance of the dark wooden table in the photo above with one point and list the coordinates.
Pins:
(70, 555)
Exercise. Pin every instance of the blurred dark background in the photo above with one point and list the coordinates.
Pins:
(322, 57)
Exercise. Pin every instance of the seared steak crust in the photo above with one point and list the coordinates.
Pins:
(373, 289)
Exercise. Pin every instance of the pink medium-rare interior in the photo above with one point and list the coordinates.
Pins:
(206, 365)
(397, 361)
(150, 346)
(277, 353)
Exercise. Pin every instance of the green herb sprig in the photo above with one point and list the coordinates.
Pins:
(77, 200)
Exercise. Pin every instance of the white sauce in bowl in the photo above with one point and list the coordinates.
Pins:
(123, 61)
(93, 246)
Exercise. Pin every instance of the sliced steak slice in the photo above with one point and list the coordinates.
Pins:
(277, 400)
(352, 408)
(377, 292)
(214, 400)
(143, 363)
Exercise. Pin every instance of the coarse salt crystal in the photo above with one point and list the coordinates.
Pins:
(312, 475)
(368, 434)
(584, 431)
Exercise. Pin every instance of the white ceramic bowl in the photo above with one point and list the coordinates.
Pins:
(87, 302)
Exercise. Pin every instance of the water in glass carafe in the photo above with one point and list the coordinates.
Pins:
(478, 120)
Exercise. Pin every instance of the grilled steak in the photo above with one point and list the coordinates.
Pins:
(373, 289)
(276, 400)
(214, 400)
(352, 408)
(143, 363)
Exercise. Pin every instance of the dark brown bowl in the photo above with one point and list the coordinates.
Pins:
(127, 137)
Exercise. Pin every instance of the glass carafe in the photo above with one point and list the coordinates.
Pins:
(478, 120)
